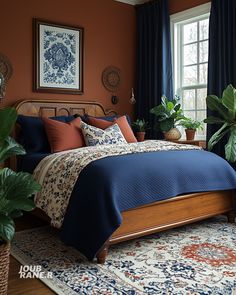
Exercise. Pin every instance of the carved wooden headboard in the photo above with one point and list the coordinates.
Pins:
(50, 108)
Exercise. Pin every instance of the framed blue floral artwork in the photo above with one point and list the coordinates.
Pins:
(58, 58)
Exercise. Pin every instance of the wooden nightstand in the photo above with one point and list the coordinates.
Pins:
(201, 143)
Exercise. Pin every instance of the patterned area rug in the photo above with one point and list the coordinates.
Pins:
(194, 259)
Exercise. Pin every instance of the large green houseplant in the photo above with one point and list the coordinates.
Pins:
(168, 114)
(16, 190)
(225, 109)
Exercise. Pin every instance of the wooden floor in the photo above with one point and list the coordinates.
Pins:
(17, 286)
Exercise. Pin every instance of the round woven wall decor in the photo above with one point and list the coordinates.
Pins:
(111, 78)
(5, 67)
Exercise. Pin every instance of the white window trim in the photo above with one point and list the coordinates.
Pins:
(183, 16)
(191, 13)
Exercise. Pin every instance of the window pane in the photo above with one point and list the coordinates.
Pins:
(190, 54)
(190, 75)
(204, 29)
(190, 114)
(201, 98)
(203, 73)
(188, 100)
(190, 33)
(201, 115)
(203, 51)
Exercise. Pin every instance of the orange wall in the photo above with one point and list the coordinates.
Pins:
(180, 5)
(109, 39)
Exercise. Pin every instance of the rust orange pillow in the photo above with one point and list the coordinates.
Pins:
(121, 122)
(99, 123)
(64, 136)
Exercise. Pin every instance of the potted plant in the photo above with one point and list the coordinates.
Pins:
(140, 126)
(191, 126)
(225, 109)
(16, 190)
(168, 113)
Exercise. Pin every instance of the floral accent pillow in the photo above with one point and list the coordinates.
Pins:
(96, 136)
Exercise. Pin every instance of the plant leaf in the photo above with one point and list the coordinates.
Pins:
(218, 135)
(17, 185)
(215, 104)
(230, 147)
(15, 214)
(9, 148)
(22, 204)
(170, 106)
(4, 173)
(8, 118)
(177, 107)
(167, 124)
(229, 99)
(7, 228)
(157, 110)
(160, 112)
(213, 120)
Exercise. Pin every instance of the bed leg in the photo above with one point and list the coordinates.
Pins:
(102, 253)
(231, 216)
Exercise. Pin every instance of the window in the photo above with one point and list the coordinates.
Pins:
(190, 30)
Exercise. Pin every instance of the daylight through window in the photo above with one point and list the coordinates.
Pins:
(191, 65)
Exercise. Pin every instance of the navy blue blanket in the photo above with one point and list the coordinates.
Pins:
(108, 186)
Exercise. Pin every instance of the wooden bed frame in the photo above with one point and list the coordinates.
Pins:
(146, 219)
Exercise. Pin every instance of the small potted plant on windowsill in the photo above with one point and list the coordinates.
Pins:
(168, 114)
(191, 126)
(140, 127)
(16, 190)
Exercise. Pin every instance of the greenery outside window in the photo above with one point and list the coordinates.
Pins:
(190, 30)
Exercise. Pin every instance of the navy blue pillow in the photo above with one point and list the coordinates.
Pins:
(107, 118)
(33, 136)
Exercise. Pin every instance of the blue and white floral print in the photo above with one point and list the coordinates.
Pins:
(59, 57)
(96, 136)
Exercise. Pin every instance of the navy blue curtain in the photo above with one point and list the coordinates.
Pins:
(154, 67)
(222, 55)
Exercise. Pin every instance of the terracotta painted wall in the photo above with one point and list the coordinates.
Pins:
(180, 5)
(109, 39)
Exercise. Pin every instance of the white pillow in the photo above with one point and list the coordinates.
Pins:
(96, 136)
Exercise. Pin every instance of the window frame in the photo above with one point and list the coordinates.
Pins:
(182, 18)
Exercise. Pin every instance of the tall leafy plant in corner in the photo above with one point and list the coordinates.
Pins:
(225, 109)
(16, 189)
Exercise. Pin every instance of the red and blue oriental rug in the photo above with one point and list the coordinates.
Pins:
(198, 259)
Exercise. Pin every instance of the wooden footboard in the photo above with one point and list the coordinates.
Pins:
(171, 213)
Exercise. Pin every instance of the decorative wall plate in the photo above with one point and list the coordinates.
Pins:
(111, 78)
(5, 67)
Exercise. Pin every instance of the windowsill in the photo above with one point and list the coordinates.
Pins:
(199, 138)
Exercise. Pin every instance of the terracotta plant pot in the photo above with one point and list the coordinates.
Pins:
(140, 136)
(172, 134)
(190, 134)
(4, 266)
